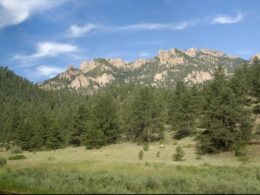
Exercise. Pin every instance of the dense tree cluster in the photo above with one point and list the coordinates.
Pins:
(217, 112)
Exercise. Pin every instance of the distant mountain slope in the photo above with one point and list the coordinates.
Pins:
(192, 66)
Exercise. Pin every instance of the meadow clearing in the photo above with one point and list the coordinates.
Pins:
(117, 169)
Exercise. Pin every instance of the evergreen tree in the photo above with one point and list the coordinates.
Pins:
(144, 118)
(225, 120)
(101, 126)
(54, 139)
(183, 112)
(79, 126)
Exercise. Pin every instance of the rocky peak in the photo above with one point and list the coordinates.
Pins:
(138, 63)
(86, 66)
(192, 52)
(214, 53)
(69, 73)
(117, 62)
(172, 56)
(255, 57)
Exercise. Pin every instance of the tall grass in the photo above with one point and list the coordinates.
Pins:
(206, 179)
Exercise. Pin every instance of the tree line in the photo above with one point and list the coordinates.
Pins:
(219, 113)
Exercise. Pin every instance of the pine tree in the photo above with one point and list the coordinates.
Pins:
(54, 139)
(101, 126)
(144, 118)
(79, 126)
(225, 119)
(183, 115)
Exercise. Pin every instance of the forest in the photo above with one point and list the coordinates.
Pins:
(220, 113)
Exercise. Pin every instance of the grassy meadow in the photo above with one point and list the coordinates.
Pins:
(117, 169)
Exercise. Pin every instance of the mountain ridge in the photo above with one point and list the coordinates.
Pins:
(193, 66)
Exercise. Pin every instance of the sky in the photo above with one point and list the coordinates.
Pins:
(40, 38)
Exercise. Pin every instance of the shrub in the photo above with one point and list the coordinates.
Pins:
(198, 157)
(2, 162)
(158, 154)
(256, 109)
(16, 150)
(178, 156)
(7, 146)
(141, 155)
(240, 149)
(17, 157)
(182, 134)
(145, 147)
(147, 164)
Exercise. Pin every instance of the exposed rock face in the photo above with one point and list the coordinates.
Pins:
(192, 52)
(104, 79)
(160, 76)
(86, 66)
(69, 73)
(138, 63)
(172, 56)
(213, 52)
(192, 66)
(198, 77)
(80, 81)
(255, 57)
(117, 62)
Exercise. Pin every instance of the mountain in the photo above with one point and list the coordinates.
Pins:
(192, 66)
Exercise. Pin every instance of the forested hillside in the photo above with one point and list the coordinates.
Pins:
(220, 113)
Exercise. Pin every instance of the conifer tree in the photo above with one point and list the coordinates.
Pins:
(79, 126)
(225, 120)
(54, 139)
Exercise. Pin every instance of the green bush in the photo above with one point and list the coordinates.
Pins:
(2, 162)
(256, 109)
(198, 157)
(182, 134)
(178, 156)
(17, 157)
(16, 150)
(239, 149)
(141, 155)
(145, 147)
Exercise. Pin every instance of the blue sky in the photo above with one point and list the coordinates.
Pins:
(39, 38)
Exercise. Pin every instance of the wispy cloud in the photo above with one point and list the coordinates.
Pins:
(49, 49)
(14, 12)
(78, 31)
(48, 71)
(225, 19)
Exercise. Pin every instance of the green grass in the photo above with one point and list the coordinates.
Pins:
(117, 169)
(183, 179)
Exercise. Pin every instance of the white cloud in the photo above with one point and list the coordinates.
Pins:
(157, 26)
(48, 71)
(78, 31)
(49, 49)
(13, 12)
(225, 19)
